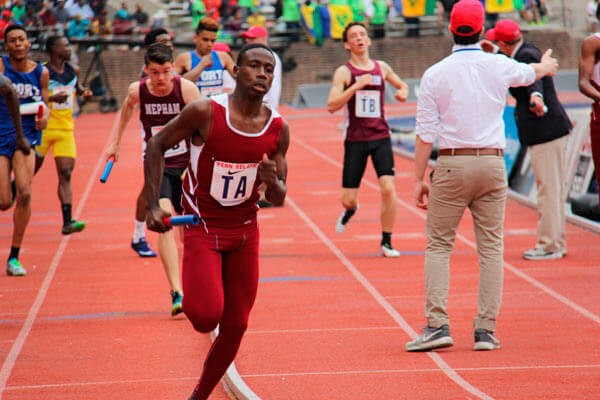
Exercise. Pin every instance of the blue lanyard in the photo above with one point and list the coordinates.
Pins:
(459, 50)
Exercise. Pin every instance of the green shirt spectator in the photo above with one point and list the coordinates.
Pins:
(246, 3)
(358, 10)
(18, 11)
(339, 2)
(291, 11)
(198, 12)
(380, 12)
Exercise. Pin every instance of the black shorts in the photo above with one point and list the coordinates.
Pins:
(170, 187)
(355, 160)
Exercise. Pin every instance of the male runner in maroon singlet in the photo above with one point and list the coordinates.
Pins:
(359, 85)
(161, 96)
(589, 85)
(237, 142)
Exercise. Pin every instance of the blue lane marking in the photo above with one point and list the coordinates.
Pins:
(296, 278)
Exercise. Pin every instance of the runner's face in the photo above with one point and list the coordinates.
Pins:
(205, 41)
(358, 40)
(256, 72)
(166, 40)
(17, 44)
(62, 48)
(160, 74)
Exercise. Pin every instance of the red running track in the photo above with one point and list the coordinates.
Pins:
(90, 321)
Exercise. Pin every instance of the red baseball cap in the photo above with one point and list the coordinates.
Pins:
(220, 46)
(7, 13)
(255, 31)
(467, 13)
(506, 30)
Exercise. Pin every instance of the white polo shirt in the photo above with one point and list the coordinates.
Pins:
(462, 98)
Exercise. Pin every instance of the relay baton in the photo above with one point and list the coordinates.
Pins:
(32, 108)
(191, 219)
(109, 165)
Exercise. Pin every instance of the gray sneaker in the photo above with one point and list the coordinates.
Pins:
(431, 338)
(485, 340)
(539, 254)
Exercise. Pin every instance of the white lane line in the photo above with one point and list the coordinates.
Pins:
(282, 331)
(569, 303)
(17, 346)
(437, 359)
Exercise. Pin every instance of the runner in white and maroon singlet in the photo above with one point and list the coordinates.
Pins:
(359, 88)
(161, 96)
(237, 142)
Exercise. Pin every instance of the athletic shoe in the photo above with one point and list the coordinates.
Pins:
(142, 248)
(340, 224)
(176, 298)
(485, 340)
(264, 204)
(431, 338)
(539, 254)
(388, 251)
(73, 227)
(14, 268)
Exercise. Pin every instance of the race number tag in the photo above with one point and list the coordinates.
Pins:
(179, 148)
(209, 91)
(232, 183)
(68, 104)
(368, 104)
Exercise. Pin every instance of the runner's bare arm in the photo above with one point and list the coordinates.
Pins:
(11, 99)
(194, 73)
(193, 122)
(273, 171)
(587, 59)
(189, 91)
(394, 80)
(227, 62)
(41, 123)
(182, 63)
(81, 90)
(339, 94)
(129, 104)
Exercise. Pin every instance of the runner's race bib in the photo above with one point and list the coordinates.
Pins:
(68, 104)
(368, 104)
(232, 183)
(179, 148)
(209, 91)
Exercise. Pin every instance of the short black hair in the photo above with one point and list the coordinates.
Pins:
(350, 25)
(151, 36)
(51, 41)
(251, 46)
(207, 24)
(13, 27)
(158, 53)
(471, 37)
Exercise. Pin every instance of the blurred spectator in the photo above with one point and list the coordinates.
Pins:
(82, 9)
(198, 12)
(236, 22)
(380, 12)
(359, 10)
(78, 27)
(30, 18)
(5, 21)
(228, 81)
(140, 16)
(591, 14)
(18, 10)
(62, 14)
(158, 19)
(121, 25)
(97, 6)
(256, 18)
(246, 7)
(212, 9)
(47, 14)
(101, 26)
(291, 16)
(123, 13)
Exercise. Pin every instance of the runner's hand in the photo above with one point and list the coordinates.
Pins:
(42, 123)
(23, 145)
(401, 94)
(364, 80)
(112, 151)
(550, 62)
(59, 97)
(206, 61)
(421, 194)
(267, 171)
(87, 94)
(154, 220)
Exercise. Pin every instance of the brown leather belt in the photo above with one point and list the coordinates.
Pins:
(471, 152)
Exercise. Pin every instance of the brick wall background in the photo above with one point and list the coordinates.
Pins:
(409, 57)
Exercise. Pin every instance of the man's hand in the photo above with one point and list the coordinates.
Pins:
(87, 94)
(537, 106)
(550, 63)
(23, 145)
(421, 194)
(42, 122)
(489, 47)
(59, 97)
(363, 80)
(206, 61)
(112, 151)
(267, 171)
(154, 220)
(401, 94)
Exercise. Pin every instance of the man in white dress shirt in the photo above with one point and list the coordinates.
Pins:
(461, 101)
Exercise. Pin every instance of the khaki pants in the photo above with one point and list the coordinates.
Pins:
(548, 163)
(477, 182)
